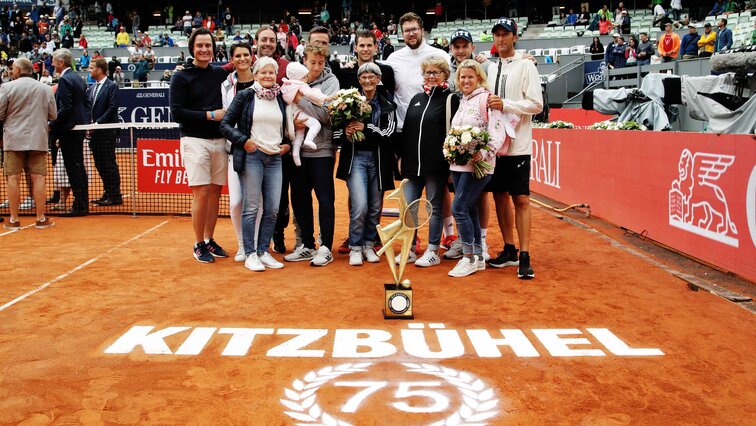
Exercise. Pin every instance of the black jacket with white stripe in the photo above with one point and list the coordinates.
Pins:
(379, 140)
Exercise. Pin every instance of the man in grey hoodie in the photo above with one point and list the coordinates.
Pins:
(316, 171)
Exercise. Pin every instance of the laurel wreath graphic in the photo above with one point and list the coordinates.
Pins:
(478, 400)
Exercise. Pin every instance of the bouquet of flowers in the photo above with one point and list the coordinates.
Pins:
(615, 125)
(349, 105)
(462, 143)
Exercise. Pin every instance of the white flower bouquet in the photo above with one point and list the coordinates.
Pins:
(461, 145)
(349, 105)
(614, 125)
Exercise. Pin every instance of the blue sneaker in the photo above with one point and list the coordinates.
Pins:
(215, 249)
(202, 254)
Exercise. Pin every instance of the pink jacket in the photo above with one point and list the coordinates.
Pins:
(500, 126)
(290, 88)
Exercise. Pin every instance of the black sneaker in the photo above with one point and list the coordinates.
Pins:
(215, 249)
(279, 245)
(202, 254)
(524, 270)
(507, 257)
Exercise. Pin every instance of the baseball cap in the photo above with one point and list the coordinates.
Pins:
(461, 34)
(691, 26)
(707, 25)
(507, 24)
(615, 35)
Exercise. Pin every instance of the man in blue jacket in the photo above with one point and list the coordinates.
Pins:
(724, 36)
(689, 43)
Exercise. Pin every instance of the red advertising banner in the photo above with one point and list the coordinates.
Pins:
(695, 192)
(161, 169)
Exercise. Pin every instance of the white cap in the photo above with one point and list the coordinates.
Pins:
(296, 71)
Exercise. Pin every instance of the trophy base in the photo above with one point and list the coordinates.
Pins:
(398, 302)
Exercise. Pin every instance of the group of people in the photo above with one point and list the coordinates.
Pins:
(35, 115)
(261, 124)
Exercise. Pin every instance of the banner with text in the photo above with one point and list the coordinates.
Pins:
(160, 168)
(694, 192)
(144, 105)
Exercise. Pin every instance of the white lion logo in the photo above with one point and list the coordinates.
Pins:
(696, 203)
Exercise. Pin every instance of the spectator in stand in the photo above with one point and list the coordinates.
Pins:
(142, 70)
(96, 55)
(166, 40)
(732, 7)
(675, 9)
(669, 44)
(166, 78)
(46, 78)
(146, 40)
(83, 42)
(596, 48)
(149, 55)
(220, 36)
(118, 77)
(103, 96)
(585, 17)
(605, 25)
(25, 107)
(299, 53)
(292, 43)
(631, 52)
(689, 43)
(197, 21)
(619, 9)
(367, 166)
(618, 53)
(228, 21)
(187, 23)
(645, 50)
(65, 25)
(209, 23)
(220, 56)
(377, 32)
(724, 36)
(112, 65)
(609, 53)
(562, 21)
(316, 172)
(707, 42)
(122, 38)
(624, 22)
(181, 59)
(136, 23)
(84, 60)
(68, 40)
(77, 25)
(753, 34)
(572, 18)
(388, 48)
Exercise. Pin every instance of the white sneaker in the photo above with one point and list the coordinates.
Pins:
(465, 267)
(410, 259)
(253, 263)
(299, 254)
(355, 257)
(270, 262)
(481, 261)
(322, 257)
(240, 256)
(455, 251)
(369, 254)
(486, 256)
(27, 204)
(429, 258)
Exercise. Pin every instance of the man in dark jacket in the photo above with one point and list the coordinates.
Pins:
(365, 49)
(645, 50)
(689, 43)
(73, 109)
(104, 98)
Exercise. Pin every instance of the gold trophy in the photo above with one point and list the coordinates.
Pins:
(398, 295)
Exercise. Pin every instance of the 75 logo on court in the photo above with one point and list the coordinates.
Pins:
(407, 394)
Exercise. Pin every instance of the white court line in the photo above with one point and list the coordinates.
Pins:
(88, 262)
(16, 230)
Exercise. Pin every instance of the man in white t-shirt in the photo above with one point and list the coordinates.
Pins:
(516, 88)
(406, 63)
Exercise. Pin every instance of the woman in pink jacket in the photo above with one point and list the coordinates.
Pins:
(473, 111)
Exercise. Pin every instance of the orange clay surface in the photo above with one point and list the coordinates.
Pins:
(54, 369)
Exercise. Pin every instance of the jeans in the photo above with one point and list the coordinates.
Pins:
(467, 190)
(315, 174)
(644, 61)
(261, 180)
(365, 200)
(434, 192)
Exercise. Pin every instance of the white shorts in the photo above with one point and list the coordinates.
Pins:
(205, 160)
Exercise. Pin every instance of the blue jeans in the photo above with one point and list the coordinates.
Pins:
(261, 181)
(434, 192)
(467, 190)
(365, 200)
(644, 61)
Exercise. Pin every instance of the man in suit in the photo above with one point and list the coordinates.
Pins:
(73, 109)
(103, 95)
(25, 107)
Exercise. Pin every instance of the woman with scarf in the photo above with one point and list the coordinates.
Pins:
(255, 123)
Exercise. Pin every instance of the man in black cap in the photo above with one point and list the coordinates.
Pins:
(707, 41)
(516, 88)
(461, 47)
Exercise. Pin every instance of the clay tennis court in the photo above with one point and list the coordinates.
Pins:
(79, 349)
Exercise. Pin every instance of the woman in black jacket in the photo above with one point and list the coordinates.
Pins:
(597, 49)
(367, 166)
(258, 146)
(420, 149)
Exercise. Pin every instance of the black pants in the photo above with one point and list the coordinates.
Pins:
(102, 144)
(314, 174)
(72, 148)
(282, 221)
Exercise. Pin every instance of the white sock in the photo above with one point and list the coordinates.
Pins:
(449, 226)
(483, 233)
(207, 240)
